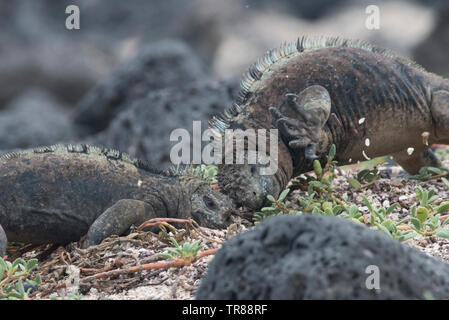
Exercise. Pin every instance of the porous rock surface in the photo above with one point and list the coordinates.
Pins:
(2, 242)
(143, 129)
(319, 257)
(34, 119)
(432, 52)
(162, 64)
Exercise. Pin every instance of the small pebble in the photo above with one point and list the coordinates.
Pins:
(363, 209)
(396, 182)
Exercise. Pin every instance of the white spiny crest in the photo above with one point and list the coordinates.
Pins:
(239, 108)
(188, 170)
(301, 45)
(219, 123)
(85, 149)
(96, 150)
(215, 132)
(47, 148)
(227, 114)
(112, 153)
(10, 155)
(75, 148)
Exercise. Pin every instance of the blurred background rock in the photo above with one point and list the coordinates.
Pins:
(130, 55)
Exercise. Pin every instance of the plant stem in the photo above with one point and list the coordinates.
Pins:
(441, 175)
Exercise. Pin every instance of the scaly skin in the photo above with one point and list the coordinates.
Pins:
(58, 194)
(398, 99)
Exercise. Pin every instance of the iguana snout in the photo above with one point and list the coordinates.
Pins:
(211, 208)
(245, 185)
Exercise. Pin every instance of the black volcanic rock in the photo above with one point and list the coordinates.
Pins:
(320, 257)
(143, 129)
(432, 52)
(34, 119)
(162, 64)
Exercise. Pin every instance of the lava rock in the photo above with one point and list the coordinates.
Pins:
(109, 21)
(2, 242)
(143, 129)
(52, 66)
(432, 52)
(320, 257)
(34, 119)
(310, 10)
(162, 64)
(36, 49)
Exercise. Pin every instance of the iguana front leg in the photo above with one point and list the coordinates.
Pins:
(312, 109)
(294, 133)
(117, 219)
(3, 242)
(439, 108)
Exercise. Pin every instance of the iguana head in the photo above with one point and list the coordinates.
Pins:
(211, 208)
(246, 186)
(265, 85)
(300, 128)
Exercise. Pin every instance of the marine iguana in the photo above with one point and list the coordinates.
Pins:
(366, 100)
(59, 193)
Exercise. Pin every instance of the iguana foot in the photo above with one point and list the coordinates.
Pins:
(290, 130)
(311, 110)
(117, 219)
(439, 109)
(416, 160)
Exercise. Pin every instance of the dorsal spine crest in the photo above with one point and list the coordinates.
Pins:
(85, 149)
(303, 44)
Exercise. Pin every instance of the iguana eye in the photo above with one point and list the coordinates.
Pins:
(210, 204)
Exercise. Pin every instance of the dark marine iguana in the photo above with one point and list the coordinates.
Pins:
(59, 193)
(366, 100)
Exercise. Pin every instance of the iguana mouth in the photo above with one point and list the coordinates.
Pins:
(246, 187)
(200, 215)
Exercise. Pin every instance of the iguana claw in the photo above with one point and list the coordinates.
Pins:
(288, 127)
